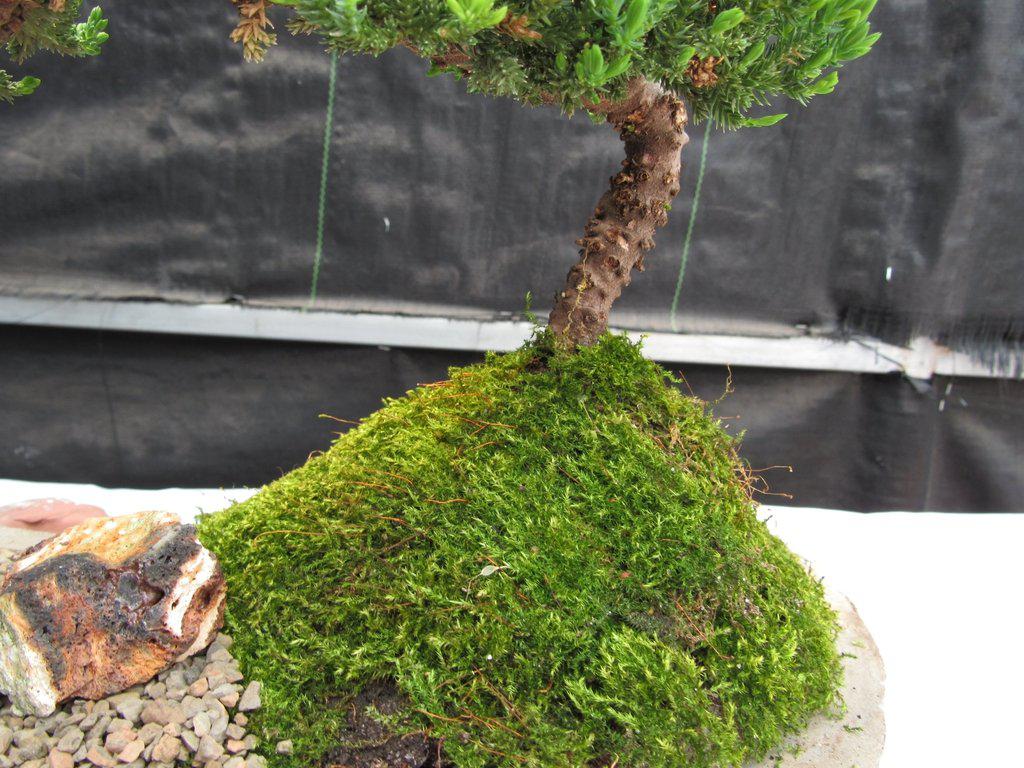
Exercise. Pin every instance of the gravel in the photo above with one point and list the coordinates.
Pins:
(189, 715)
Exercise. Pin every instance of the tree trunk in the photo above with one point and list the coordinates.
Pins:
(651, 124)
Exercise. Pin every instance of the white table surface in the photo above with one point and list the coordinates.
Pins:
(941, 593)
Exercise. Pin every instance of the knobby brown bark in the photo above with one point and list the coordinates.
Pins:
(651, 123)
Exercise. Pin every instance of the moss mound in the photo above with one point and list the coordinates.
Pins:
(554, 558)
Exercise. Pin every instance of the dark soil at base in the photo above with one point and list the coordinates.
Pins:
(368, 743)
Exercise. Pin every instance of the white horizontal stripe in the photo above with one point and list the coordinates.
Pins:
(920, 360)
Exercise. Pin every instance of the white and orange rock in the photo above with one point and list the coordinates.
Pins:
(103, 606)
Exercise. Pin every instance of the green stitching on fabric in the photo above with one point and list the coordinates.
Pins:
(690, 227)
(325, 165)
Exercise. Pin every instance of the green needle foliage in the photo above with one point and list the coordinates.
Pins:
(556, 559)
(27, 27)
(723, 57)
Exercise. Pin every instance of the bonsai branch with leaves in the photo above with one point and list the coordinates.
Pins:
(29, 26)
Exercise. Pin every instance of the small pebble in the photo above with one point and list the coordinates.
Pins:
(99, 756)
(150, 732)
(116, 741)
(191, 740)
(71, 740)
(131, 751)
(208, 749)
(251, 698)
(131, 708)
(163, 711)
(166, 750)
(201, 723)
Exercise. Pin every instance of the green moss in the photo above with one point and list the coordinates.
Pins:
(558, 562)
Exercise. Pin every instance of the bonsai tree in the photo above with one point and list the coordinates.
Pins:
(28, 26)
(632, 63)
(551, 558)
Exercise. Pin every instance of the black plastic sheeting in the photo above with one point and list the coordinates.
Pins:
(168, 168)
(155, 411)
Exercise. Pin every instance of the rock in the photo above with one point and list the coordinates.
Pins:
(103, 606)
(219, 653)
(215, 675)
(31, 744)
(119, 724)
(130, 708)
(156, 690)
(191, 706)
(219, 726)
(99, 756)
(176, 686)
(70, 740)
(166, 749)
(199, 687)
(150, 732)
(99, 729)
(285, 747)
(163, 711)
(131, 751)
(191, 740)
(251, 698)
(112, 733)
(201, 723)
(116, 741)
(208, 750)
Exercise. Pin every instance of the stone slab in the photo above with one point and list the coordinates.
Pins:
(857, 738)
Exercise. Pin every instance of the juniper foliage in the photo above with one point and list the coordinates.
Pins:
(28, 26)
(723, 57)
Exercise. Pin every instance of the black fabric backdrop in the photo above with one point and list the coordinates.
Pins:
(137, 410)
(169, 169)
